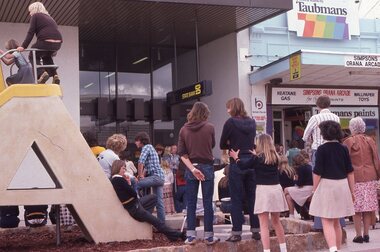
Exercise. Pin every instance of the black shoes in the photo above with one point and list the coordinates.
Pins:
(358, 239)
(361, 239)
(366, 238)
(256, 236)
(234, 238)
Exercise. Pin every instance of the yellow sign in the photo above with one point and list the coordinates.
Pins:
(295, 67)
(197, 91)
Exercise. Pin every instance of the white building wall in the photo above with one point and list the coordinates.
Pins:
(271, 40)
(68, 61)
(219, 62)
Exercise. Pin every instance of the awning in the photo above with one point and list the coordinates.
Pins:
(322, 68)
(151, 22)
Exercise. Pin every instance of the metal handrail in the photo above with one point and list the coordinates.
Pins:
(35, 66)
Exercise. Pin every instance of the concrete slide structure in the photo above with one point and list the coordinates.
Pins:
(33, 117)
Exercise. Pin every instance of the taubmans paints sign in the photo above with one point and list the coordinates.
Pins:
(329, 19)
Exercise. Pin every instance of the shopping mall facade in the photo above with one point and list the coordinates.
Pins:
(120, 58)
(298, 56)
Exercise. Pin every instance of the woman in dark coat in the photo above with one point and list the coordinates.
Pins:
(239, 133)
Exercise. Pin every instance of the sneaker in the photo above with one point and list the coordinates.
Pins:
(234, 238)
(211, 240)
(366, 238)
(43, 78)
(256, 236)
(190, 240)
(56, 80)
(358, 239)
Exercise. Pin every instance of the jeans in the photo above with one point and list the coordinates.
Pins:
(140, 212)
(242, 184)
(192, 185)
(180, 200)
(317, 220)
(157, 184)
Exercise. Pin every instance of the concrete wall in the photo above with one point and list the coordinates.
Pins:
(219, 63)
(68, 61)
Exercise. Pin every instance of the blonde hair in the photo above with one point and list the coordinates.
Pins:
(265, 148)
(167, 150)
(37, 7)
(199, 112)
(117, 143)
(236, 107)
(165, 165)
(284, 167)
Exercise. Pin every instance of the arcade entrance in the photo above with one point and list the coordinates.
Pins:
(289, 124)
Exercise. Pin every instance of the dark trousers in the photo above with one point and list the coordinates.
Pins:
(9, 216)
(242, 184)
(138, 212)
(180, 200)
(45, 56)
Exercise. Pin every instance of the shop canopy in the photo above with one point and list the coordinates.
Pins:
(151, 22)
(308, 67)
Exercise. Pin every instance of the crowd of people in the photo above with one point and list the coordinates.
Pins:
(338, 179)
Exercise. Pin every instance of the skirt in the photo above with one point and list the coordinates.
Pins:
(168, 199)
(65, 216)
(300, 194)
(270, 198)
(332, 199)
(366, 196)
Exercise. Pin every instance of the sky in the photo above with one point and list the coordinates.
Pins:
(369, 9)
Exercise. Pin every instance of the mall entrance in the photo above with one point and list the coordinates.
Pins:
(289, 124)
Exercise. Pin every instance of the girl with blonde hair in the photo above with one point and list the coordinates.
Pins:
(168, 187)
(286, 172)
(270, 198)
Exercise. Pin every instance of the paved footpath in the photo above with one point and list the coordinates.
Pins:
(372, 246)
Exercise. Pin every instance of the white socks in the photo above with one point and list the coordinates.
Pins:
(266, 250)
(333, 249)
(283, 247)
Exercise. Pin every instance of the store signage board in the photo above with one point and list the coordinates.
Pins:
(327, 19)
(192, 92)
(363, 61)
(338, 96)
(351, 112)
(295, 67)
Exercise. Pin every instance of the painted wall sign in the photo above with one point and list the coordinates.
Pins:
(351, 112)
(338, 96)
(366, 61)
(259, 107)
(295, 67)
(329, 19)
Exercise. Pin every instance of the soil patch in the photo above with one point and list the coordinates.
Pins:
(71, 240)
